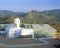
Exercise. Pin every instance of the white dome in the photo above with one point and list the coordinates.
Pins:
(17, 21)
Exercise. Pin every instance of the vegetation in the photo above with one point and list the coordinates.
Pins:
(40, 35)
(56, 26)
(34, 17)
(22, 25)
(50, 16)
(29, 26)
(26, 36)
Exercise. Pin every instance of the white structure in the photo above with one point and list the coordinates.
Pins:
(17, 22)
(48, 30)
(16, 31)
(44, 29)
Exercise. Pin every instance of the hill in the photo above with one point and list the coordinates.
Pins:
(55, 13)
(50, 16)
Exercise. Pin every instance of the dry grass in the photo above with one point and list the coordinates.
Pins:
(57, 35)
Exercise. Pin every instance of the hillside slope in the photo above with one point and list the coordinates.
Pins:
(50, 16)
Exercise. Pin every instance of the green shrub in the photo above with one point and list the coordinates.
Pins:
(29, 26)
(40, 36)
(22, 25)
(25, 36)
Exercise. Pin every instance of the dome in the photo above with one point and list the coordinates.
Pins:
(17, 21)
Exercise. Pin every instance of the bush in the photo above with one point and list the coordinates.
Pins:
(25, 36)
(40, 35)
(58, 31)
(29, 26)
(22, 25)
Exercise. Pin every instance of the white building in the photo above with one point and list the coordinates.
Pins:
(44, 29)
(16, 31)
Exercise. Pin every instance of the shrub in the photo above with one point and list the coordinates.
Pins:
(22, 25)
(40, 35)
(29, 26)
(25, 36)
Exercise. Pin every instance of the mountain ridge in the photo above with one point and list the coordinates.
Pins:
(50, 16)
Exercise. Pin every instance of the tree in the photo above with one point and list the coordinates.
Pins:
(29, 26)
(22, 25)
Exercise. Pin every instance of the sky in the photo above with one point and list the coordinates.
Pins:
(28, 5)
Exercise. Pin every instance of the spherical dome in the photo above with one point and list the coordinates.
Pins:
(17, 21)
